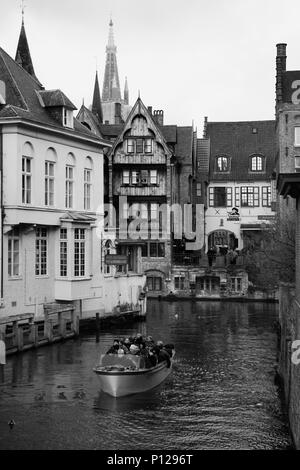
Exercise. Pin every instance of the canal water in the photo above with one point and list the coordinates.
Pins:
(220, 395)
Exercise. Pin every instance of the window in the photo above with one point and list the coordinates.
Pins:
(26, 180)
(144, 250)
(79, 252)
(130, 146)
(67, 117)
(135, 177)
(87, 189)
(222, 163)
(139, 145)
(148, 146)
(125, 177)
(256, 163)
(14, 253)
(297, 137)
(69, 186)
(266, 196)
(157, 250)
(236, 284)
(63, 248)
(153, 176)
(297, 163)
(41, 252)
(199, 192)
(220, 196)
(49, 183)
(249, 196)
(179, 282)
(154, 283)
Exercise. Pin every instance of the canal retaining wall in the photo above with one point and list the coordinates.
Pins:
(289, 320)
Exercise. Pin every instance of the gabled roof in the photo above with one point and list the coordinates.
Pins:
(238, 141)
(23, 97)
(140, 109)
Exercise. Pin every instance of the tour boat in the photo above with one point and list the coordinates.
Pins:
(126, 374)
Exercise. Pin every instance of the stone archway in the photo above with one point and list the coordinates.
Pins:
(222, 239)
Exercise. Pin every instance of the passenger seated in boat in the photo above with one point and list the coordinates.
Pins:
(134, 349)
(169, 348)
(162, 355)
(114, 348)
(138, 339)
(152, 357)
(126, 345)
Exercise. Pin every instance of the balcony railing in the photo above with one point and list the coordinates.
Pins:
(220, 261)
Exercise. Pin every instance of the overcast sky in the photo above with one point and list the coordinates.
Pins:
(191, 58)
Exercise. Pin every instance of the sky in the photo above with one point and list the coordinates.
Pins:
(190, 58)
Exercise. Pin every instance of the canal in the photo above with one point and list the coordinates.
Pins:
(220, 395)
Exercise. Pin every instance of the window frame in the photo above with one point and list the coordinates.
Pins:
(26, 177)
(87, 189)
(266, 196)
(257, 163)
(79, 255)
(69, 187)
(250, 191)
(13, 237)
(63, 255)
(219, 168)
(49, 181)
(41, 250)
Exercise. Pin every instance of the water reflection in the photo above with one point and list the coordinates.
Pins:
(221, 393)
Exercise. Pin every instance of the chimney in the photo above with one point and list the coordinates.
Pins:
(280, 67)
(150, 110)
(158, 116)
(205, 127)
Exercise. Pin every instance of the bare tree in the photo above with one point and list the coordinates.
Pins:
(273, 259)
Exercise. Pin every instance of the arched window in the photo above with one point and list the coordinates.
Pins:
(256, 163)
(27, 157)
(222, 163)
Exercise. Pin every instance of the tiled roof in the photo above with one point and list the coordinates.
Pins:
(237, 141)
(53, 98)
(184, 144)
(111, 130)
(202, 155)
(22, 97)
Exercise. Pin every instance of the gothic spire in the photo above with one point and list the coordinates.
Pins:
(111, 86)
(126, 92)
(97, 106)
(23, 57)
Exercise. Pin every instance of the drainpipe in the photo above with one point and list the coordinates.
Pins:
(1, 210)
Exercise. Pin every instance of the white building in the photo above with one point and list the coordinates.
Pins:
(241, 191)
(51, 190)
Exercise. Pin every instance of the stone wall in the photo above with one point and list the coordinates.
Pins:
(289, 319)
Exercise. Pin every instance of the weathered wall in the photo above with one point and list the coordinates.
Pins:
(289, 318)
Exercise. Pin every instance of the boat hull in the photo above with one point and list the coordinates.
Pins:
(118, 384)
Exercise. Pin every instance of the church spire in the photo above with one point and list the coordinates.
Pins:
(111, 86)
(97, 106)
(126, 92)
(23, 57)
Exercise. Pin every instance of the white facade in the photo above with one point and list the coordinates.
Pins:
(253, 209)
(52, 188)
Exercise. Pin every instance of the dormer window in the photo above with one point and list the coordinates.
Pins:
(67, 117)
(222, 163)
(256, 163)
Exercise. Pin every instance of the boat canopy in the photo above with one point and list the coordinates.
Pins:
(128, 361)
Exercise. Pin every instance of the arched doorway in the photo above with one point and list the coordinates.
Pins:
(221, 239)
